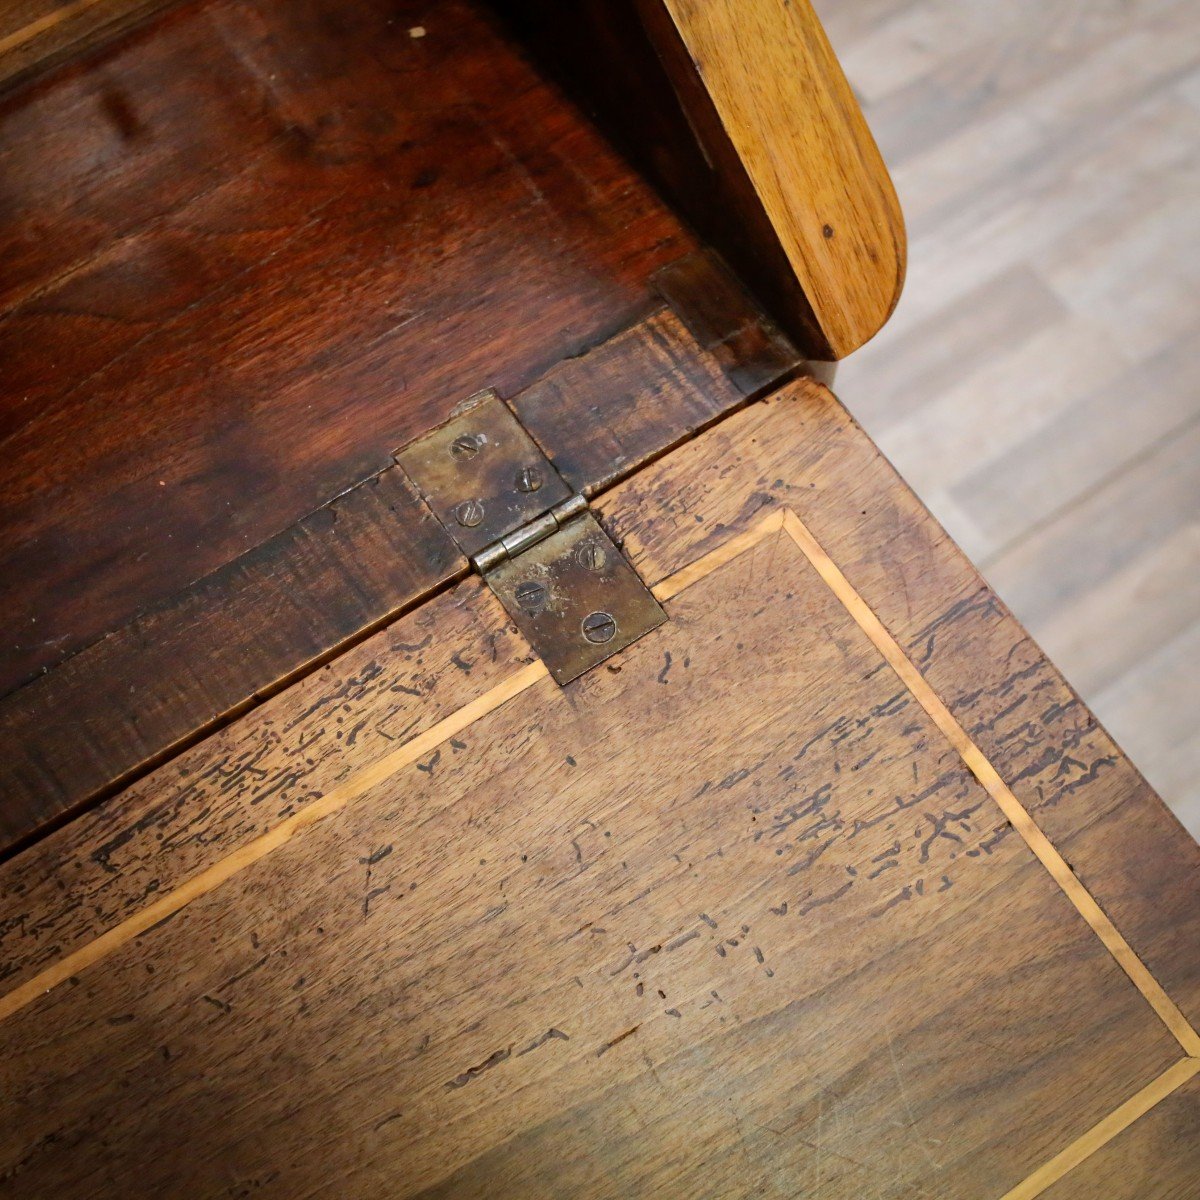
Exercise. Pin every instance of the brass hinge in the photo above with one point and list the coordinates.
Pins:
(562, 579)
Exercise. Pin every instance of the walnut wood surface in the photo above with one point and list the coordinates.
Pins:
(119, 706)
(1157, 1156)
(36, 34)
(741, 116)
(250, 249)
(736, 915)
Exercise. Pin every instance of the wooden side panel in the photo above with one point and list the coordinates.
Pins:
(796, 128)
(741, 911)
(739, 112)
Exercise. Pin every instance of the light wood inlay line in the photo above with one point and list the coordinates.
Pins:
(1104, 1130)
(727, 551)
(212, 877)
(36, 28)
(999, 791)
(863, 615)
(335, 800)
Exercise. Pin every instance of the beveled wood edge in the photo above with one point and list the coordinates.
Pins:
(355, 565)
(740, 115)
(783, 521)
(767, 97)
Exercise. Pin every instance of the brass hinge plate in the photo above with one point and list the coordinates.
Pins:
(482, 474)
(561, 578)
(575, 597)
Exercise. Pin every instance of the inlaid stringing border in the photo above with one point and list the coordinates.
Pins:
(1105, 1130)
(36, 28)
(780, 521)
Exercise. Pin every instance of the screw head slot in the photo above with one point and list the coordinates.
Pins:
(466, 445)
(529, 479)
(530, 595)
(591, 557)
(469, 513)
(599, 627)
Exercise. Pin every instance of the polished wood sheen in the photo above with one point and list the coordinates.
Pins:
(795, 127)
(249, 250)
(829, 886)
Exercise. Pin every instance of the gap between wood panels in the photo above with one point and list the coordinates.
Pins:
(225, 868)
(785, 521)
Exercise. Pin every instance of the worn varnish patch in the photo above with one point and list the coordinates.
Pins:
(785, 935)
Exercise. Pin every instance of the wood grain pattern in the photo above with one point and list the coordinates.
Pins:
(1158, 1155)
(1104, 1131)
(116, 708)
(738, 171)
(243, 239)
(612, 940)
(657, 384)
(36, 34)
(996, 788)
(796, 127)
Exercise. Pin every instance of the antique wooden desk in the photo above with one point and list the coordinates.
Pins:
(316, 880)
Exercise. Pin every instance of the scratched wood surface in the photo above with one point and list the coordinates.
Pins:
(740, 914)
(110, 712)
(237, 243)
(1159, 1157)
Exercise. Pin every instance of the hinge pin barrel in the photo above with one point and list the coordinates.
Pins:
(528, 535)
(562, 580)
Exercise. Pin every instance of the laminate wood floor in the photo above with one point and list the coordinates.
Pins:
(1038, 384)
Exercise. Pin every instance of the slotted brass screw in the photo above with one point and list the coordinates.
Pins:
(599, 627)
(591, 556)
(469, 513)
(529, 479)
(466, 445)
(531, 595)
